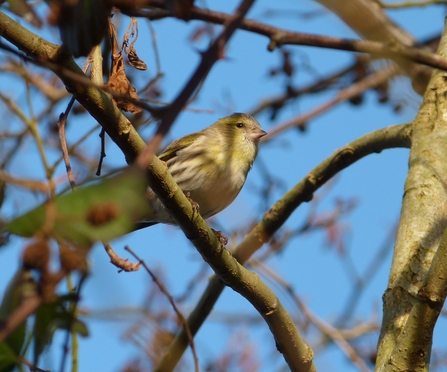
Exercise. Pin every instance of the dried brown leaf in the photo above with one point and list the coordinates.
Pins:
(118, 81)
(134, 60)
(129, 49)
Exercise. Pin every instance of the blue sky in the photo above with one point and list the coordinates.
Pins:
(317, 273)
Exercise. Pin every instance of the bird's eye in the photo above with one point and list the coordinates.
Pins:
(240, 125)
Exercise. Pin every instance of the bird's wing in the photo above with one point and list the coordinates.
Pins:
(180, 144)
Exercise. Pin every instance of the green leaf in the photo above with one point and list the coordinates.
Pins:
(8, 358)
(76, 325)
(102, 211)
(21, 285)
(44, 327)
(50, 318)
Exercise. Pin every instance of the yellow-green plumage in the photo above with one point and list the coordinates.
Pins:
(211, 166)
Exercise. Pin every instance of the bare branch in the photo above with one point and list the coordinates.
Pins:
(375, 142)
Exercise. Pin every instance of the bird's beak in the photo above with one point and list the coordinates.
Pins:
(257, 134)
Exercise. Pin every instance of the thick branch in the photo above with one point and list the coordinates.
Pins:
(415, 339)
(386, 138)
(421, 226)
(297, 354)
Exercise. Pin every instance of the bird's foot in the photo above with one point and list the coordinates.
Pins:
(221, 237)
(194, 205)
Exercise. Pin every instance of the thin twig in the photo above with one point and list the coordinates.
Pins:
(278, 37)
(353, 90)
(74, 77)
(24, 310)
(121, 263)
(102, 155)
(28, 184)
(335, 334)
(63, 139)
(367, 276)
(71, 321)
(30, 365)
(214, 52)
(314, 87)
(410, 4)
(164, 290)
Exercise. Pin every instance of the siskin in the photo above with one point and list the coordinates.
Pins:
(210, 166)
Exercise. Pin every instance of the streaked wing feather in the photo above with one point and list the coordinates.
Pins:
(180, 144)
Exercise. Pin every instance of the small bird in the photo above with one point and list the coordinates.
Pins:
(210, 166)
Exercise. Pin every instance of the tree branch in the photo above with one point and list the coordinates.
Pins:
(95, 101)
(421, 227)
(412, 345)
(214, 52)
(345, 94)
(296, 353)
(398, 136)
(395, 50)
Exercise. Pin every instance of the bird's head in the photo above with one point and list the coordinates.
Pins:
(240, 126)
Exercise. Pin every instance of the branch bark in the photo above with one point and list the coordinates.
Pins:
(406, 334)
(95, 101)
(297, 354)
(384, 38)
(386, 138)
(369, 20)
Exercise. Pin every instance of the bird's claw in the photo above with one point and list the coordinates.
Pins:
(221, 237)
(194, 205)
